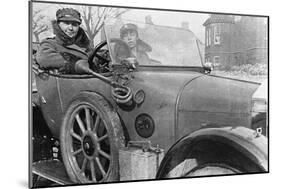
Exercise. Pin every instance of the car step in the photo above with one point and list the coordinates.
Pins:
(52, 170)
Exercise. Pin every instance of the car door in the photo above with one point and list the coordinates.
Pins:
(49, 100)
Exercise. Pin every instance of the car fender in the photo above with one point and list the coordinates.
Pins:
(245, 140)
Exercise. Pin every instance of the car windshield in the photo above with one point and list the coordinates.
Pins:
(152, 44)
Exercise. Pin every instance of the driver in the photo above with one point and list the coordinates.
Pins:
(68, 51)
(139, 49)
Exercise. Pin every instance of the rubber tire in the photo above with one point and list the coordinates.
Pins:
(116, 136)
(211, 153)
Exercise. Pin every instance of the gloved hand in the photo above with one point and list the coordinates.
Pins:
(82, 67)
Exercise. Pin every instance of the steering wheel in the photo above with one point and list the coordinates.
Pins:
(121, 51)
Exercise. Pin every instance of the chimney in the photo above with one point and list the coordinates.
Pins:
(185, 25)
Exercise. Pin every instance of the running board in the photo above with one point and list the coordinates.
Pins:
(52, 170)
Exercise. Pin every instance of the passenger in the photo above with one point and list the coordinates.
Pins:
(139, 49)
(68, 51)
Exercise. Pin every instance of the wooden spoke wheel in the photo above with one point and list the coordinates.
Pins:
(91, 136)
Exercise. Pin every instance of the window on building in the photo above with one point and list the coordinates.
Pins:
(216, 60)
(217, 34)
(208, 37)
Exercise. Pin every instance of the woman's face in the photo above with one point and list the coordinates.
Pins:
(70, 28)
(130, 37)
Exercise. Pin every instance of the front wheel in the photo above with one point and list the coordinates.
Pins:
(91, 136)
(208, 158)
(211, 169)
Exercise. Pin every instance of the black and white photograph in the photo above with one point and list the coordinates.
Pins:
(122, 94)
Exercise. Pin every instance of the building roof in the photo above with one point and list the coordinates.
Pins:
(218, 18)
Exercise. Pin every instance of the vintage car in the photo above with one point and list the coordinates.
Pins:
(205, 124)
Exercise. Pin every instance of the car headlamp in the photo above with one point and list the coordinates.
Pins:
(259, 106)
(259, 98)
(259, 109)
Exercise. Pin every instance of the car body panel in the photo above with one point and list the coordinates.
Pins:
(70, 88)
(214, 101)
(178, 100)
(159, 103)
(161, 88)
(49, 100)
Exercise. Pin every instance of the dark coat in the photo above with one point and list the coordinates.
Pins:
(62, 52)
(122, 51)
(142, 49)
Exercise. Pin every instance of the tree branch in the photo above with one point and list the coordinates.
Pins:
(99, 22)
(120, 13)
(94, 18)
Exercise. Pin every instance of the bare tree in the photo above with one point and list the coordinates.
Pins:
(38, 24)
(94, 18)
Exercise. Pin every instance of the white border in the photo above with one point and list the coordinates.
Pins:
(14, 93)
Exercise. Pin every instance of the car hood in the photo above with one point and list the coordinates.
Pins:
(212, 101)
(217, 94)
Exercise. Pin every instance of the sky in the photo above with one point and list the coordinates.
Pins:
(174, 19)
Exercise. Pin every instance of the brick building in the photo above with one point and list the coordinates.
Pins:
(235, 40)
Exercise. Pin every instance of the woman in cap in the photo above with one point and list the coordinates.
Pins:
(139, 49)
